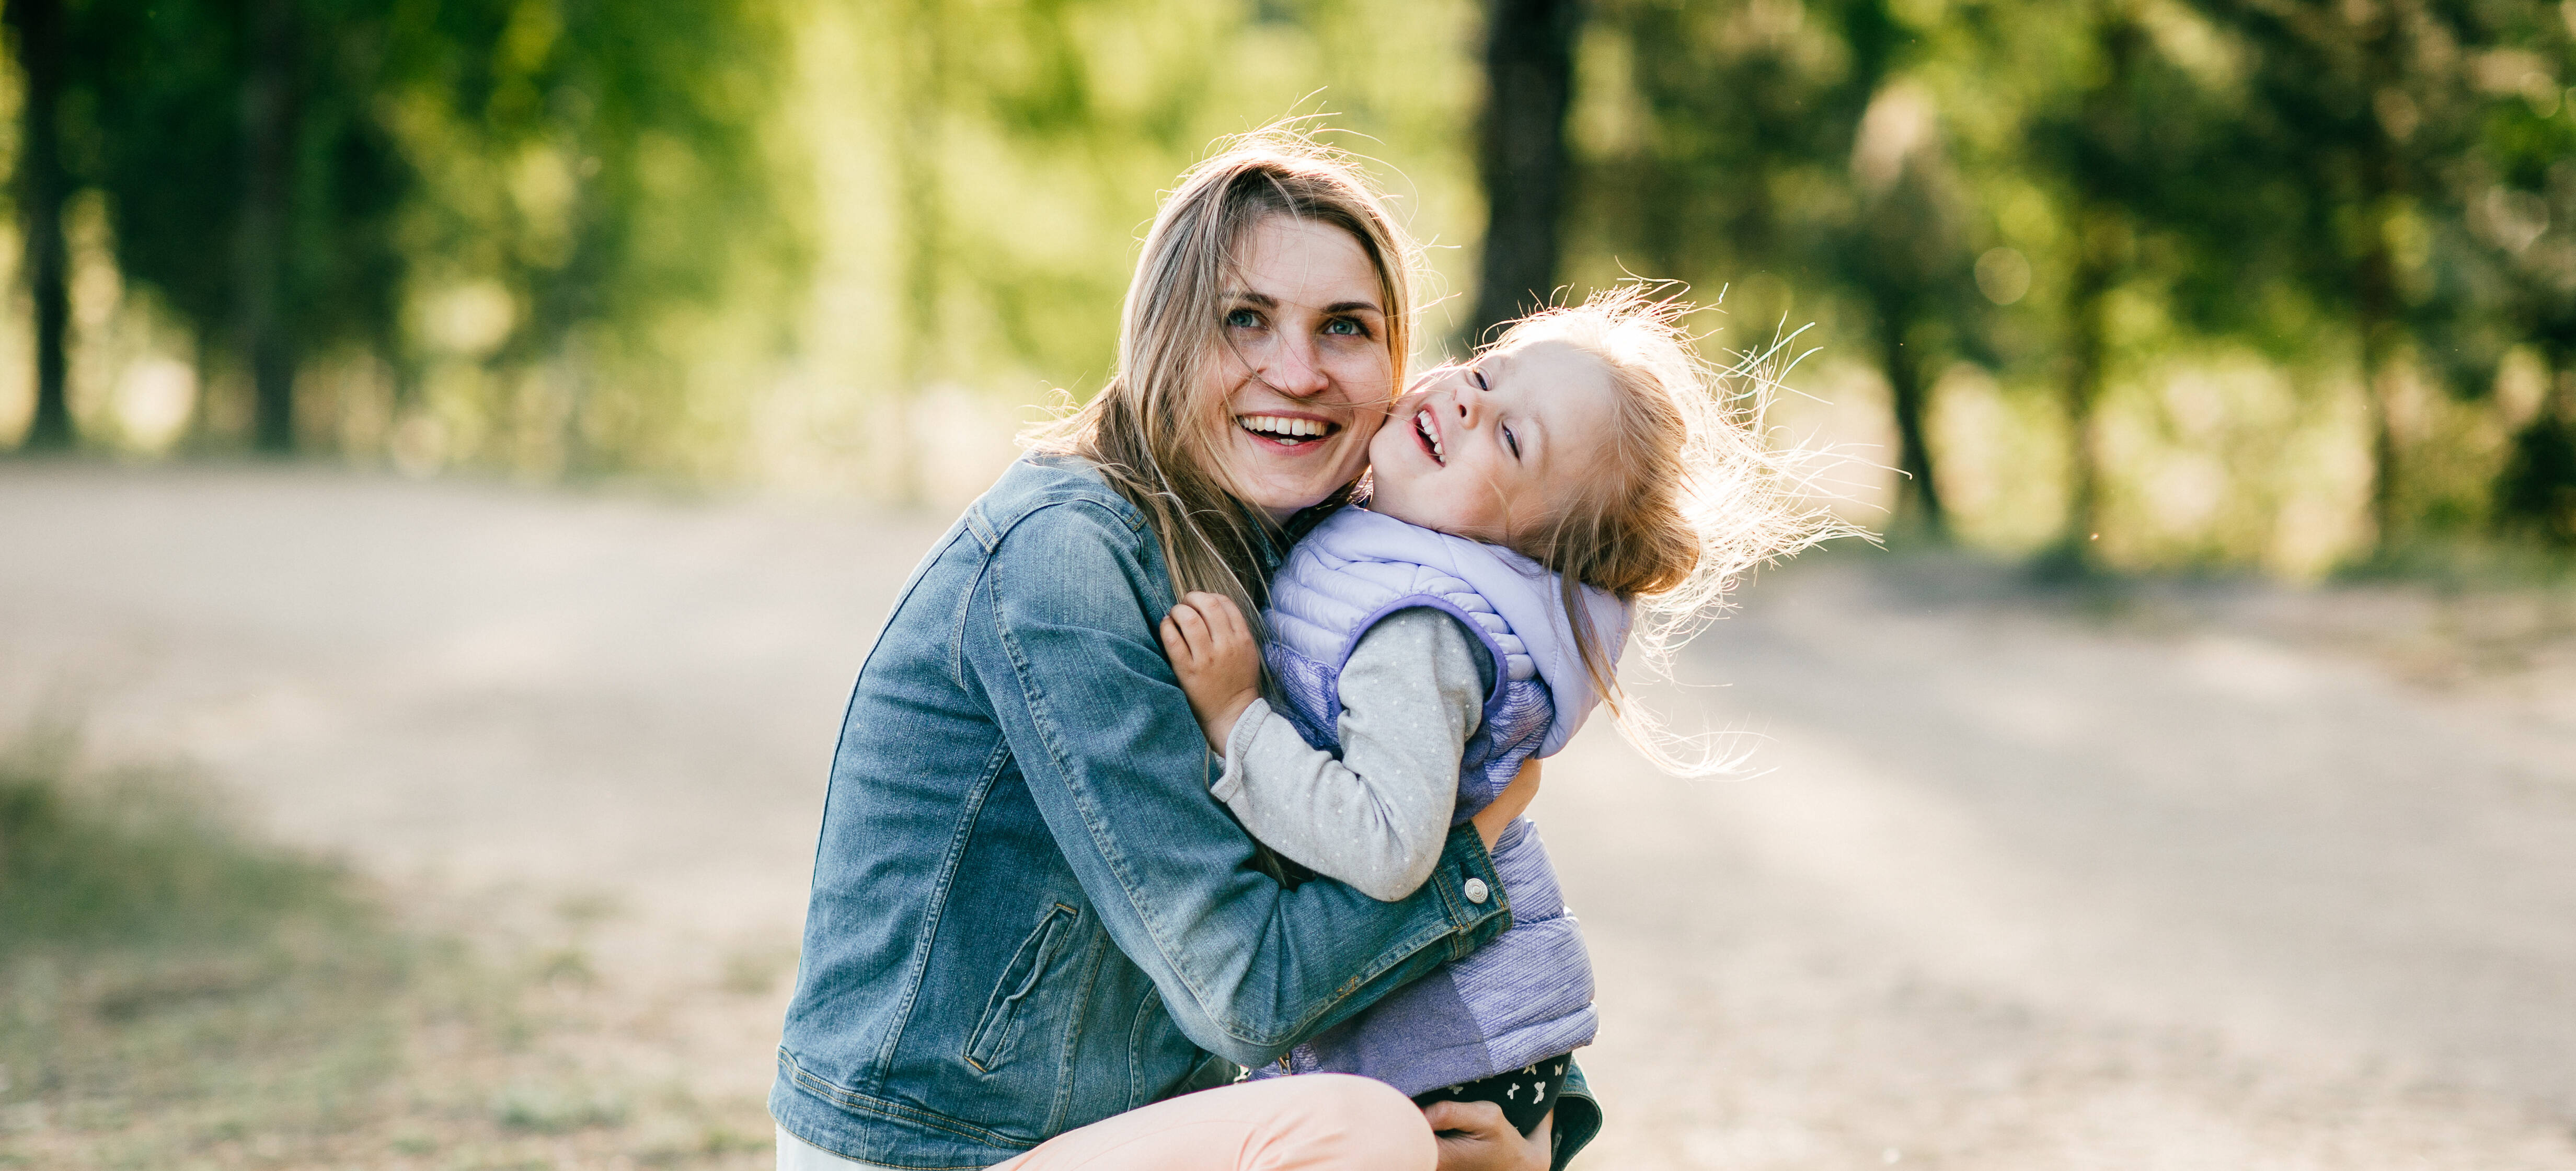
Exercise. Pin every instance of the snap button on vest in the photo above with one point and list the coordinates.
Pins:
(1475, 890)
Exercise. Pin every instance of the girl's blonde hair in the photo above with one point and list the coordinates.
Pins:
(1688, 499)
(1151, 433)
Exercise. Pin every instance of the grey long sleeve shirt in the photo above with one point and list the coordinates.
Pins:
(1412, 693)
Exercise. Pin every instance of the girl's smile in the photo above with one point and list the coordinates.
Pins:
(1486, 450)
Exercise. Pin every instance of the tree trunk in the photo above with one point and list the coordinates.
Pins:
(1529, 80)
(2536, 493)
(1919, 498)
(923, 76)
(42, 188)
(2375, 296)
(2087, 355)
(2102, 245)
(269, 111)
(1896, 246)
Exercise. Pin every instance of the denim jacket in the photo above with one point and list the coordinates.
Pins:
(1028, 914)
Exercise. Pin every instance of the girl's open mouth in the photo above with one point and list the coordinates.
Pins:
(1429, 437)
(1286, 430)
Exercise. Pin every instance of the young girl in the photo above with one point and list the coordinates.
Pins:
(1464, 621)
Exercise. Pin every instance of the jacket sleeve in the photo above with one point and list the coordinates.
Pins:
(1059, 637)
(1578, 1117)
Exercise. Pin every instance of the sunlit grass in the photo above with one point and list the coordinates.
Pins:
(2457, 565)
(175, 992)
(162, 976)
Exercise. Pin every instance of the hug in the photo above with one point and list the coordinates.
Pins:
(1174, 821)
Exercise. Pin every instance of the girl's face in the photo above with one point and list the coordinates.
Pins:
(1486, 450)
(1303, 365)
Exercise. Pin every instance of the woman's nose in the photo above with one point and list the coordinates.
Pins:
(1293, 370)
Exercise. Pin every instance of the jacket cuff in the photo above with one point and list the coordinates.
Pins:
(1471, 891)
(1578, 1117)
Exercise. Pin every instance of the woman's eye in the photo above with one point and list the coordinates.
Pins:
(1344, 327)
(1512, 441)
(1243, 319)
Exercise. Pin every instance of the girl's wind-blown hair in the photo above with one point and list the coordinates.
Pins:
(1690, 498)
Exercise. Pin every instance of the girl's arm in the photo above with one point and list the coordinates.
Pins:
(1057, 641)
(1412, 693)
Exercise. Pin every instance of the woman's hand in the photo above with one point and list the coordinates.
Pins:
(1491, 820)
(1474, 1136)
(1214, 653)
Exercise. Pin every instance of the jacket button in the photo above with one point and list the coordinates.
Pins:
(1475, 890)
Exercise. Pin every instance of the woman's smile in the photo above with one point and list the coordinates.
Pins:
(1287, 430)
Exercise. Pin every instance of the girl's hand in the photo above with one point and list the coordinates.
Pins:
(1474, 1136)
(1213, 652)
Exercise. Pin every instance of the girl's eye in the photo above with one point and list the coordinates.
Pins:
(1243, 319)
(1512, 441)
(1477, 376)
(1344, 327)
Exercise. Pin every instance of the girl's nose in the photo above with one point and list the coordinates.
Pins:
(1469, 405)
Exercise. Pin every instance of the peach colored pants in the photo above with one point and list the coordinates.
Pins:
(1324, 1120)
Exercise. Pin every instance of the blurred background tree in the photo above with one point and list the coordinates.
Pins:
(1521, 155)
(43, 53)
(2118, 284)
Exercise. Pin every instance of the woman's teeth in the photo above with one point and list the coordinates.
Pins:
(1431, 437)
(1282, 429)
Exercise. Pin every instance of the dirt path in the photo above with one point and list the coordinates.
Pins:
(2212, 881)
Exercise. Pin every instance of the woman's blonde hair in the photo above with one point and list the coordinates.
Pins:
(1688, 498)
(1150, 431)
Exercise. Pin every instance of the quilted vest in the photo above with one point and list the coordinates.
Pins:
(1359, 566)
(1526, 996)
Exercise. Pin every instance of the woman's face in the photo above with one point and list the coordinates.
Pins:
(1302, 364)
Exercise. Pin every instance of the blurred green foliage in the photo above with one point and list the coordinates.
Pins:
(2289, 283)
(2265, 261)
(301, 183)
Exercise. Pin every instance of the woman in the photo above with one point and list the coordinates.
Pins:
(1028, 915)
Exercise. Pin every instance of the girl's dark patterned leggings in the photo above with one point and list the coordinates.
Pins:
(1525, 1094)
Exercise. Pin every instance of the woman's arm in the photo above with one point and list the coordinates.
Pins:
(1058, 640)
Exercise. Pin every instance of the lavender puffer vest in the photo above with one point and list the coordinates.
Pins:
(1526, 996)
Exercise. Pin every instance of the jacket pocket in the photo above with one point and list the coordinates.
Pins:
(989, 1045)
